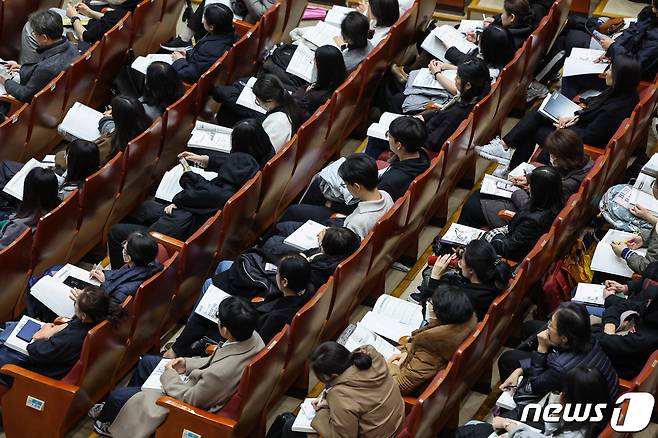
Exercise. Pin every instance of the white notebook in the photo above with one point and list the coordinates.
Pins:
(521, 170)
(360, 335)
(591, 294)
(379, 129)
(302, 64)
(153, 382)
(209, 136)
(581, 62)
(209, 304)
(444, 37)
(651, 167)
(393, 318)
(494, 186)
(642, 193)
(82, 122)
(14, 341)
(141, 63)
(459, 234)
(604, 260)
(322, 34)
(170, 184)
(336, 15)
(306, 236)
(15, 185)
(247, 98)
(305, 417)
(425, 79)
(470, 25)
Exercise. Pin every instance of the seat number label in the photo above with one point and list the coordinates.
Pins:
(35, 403)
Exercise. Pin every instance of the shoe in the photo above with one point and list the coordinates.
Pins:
(495, 151)
(103, 429)
(399, 73)
(536, 90)
(502, 171)
(415, 298)
(176, 44)
(654, 127)
(95, 410)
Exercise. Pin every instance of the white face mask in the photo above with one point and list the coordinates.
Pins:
(429, 312)
(126, 257)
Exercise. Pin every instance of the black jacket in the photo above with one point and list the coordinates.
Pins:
(630, 352)
(519, 32)
(640, 40)
(399, 174)
(275, 313)
(123, 282)
(309, 101)
(205, 198)
(442, 124)
(525, 229)
(95, 29)
(480, 295)
(322, 266)
(598, 122)
(56, 356)
(208, 50)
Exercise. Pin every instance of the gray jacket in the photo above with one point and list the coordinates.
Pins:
(649, 241)
(354, 57)
(255, 8)
(15, 228)
(35, 76)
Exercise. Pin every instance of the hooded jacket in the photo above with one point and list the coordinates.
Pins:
(274, 314)
(205, 198)
(123, 282)
(399, 174)
(640, 40)
(362, 403)
(443, 123)
(429, 350)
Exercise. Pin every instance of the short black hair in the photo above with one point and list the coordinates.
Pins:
(340, 241)
(297, 270)
(48, 23)
(354, 29)
(410, 131)
(238, 316)
(142, 248)
(451, 305)
(386, 12)
(572, 321)
(360, 169)
(220, 17)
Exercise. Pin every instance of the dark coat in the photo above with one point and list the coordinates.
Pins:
(520, 32)
(442, 124)
(35, 76)
(95, 29)
(640, 40)
(124, 282)
(309, 101)
(275, 313)
(480, 295)
(204, 54)
(205, 198)
(399, 174)
(525, 229)
(54, 357)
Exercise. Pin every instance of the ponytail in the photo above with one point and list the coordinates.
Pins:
(490, 269)
(361, 360)
(331, 358)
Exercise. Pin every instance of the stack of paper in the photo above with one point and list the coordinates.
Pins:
(322, 34)
(642, 193)
(247, 98)
(651, 167)
(521, 170)
(302, 64)
(459, 234)
(306, 236)
(361, 335)
(141, 63)
(15, 185)
(506, 400)
(55, 292)
(604, 260)
(393, 318)
(336, 15)
(379, 129)
(14, 342)
(170, 183)
(494, 186)
(305, 417)
(209, 304)
(466, 26)
(591, 294)
(153, 382)
(209, 136)
(582, 62)
(82, 122)
(556, 105)
(425, 79)
(444, 37)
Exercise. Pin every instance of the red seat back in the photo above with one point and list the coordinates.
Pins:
(15, 271)
(510, 82)
(13, 134)
(620, 150)
(14, 16)
(145, 18)
(46, 113)
(374, 67)
(96, 201)
(431, 414)
(485, 125)
(246, 50)
(501, 314)
(272, 23)
(294, 13)
(540, 41)
(468, 363)
(422, 192)
(403, 32)
(647, 380)
(425, 13)
(206, 107)
(168, 21)
(644, 112)
(344, 107)
(80, 77)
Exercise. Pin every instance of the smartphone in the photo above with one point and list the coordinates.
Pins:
(185, 164)
(28, 330)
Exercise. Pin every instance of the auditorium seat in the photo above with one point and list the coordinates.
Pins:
(144, 20)
(206, 106)
(46, 113)
(510, 82)
(294, 13)
(14, 16)
(15, 271)
(485, 118)
(468, 364)
(13, 134)
(404, 32)
(272, 23)
(244, 414)
(247, 56)
(538, 46)
(80, 77)
(343, 108)
(166, 28)
(620, 150)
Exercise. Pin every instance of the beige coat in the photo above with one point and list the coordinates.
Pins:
(212, 382)
(428, 351)
(362, 403)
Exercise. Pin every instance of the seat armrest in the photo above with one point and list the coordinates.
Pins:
(14, 103)
(625, 385)
(172, 245)
(242, 27)
(593, 151)
(183, 416)
(506, 214)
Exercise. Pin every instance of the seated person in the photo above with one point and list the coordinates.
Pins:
(218, 21)
(53, 53)
(482, 275)
(551, 351)
(354, 40)
(40, 196)
(131, 412)
(515, 240)
(518, 18)
(253, 10)
(359, 172)
(382, 15)
(595, 124)
(293, 290)
(200, 198)
(139, 264)
(629, 342)
(566, 154)
(429, 349)
(56, 348)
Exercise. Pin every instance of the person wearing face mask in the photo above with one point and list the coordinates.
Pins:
(429, 349)
(55, 349)
(139, 256)
(293, 290)
(596, 123)
(566, 154)
(481, 275)
(549, 352)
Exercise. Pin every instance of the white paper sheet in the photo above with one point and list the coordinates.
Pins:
(336, 15)
(379, 129)
(82, 122)
(15, 185)
(604, 260)
(141, 63)
(521, 170)
(425, 79)
(306, 236)
(302, 64)
(400, 310)
(209, 303)
(589, 294)
(444, 37)
(506, 400)
(209, 136)
(305, 417)
(54, 295)
(495, 186)
(581, 62)
(14, 342)
(153, 382)
(651, 167)
(170, 184)
(247, 98)
(322, 34)
(461, 234)
(640, 197)
(363, 336)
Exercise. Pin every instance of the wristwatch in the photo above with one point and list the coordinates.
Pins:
(74, 19)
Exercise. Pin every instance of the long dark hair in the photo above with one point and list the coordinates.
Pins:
(496, 46)
(39, 193)
(475, 72)
(545, 190)
(626, 74)
(386, 12)
(332, 358)
(269, 87)
(249, 137)
(331, 68)
(130, 121)
(162, 86)
(82, 160)
(481, 257)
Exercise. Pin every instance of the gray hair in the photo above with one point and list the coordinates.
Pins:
(48, 23)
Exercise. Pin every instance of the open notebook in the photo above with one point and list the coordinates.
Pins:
(170, 186)
(306, 236)
(425, 79)
(302, 64)
(590, 294)
(141, 63)
(209, 304)
(604, 260)
(247, 98)
(305, 417)
(393, 318)
(358, 335)
(444, 37)
(380, 128)
(212, 137)
(82, 122)
(582, 62)
(55, 292)
(642, 193)
(492, 185)
(153, 381)
(15, 185)
(459, 234)
(322, 34)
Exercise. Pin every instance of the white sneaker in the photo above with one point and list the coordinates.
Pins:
(95, 410)
(502, 171)
(654, 127)
(536, 90)
(495, 151)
